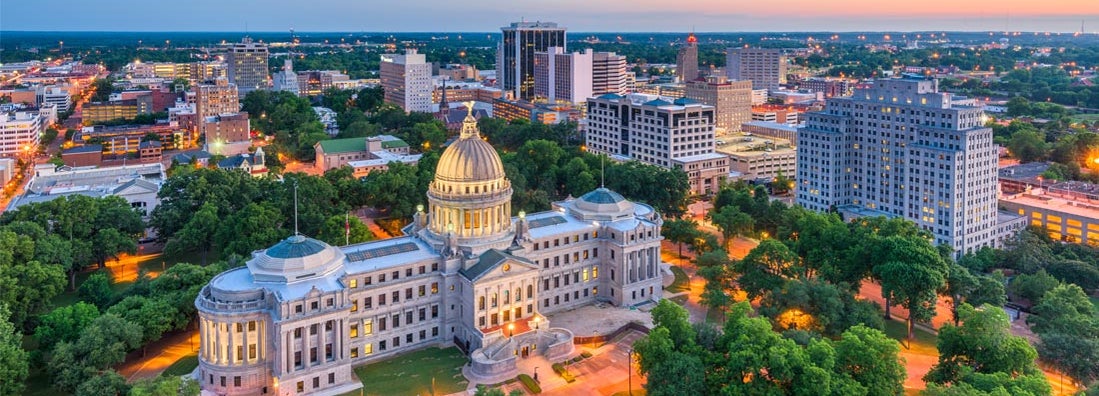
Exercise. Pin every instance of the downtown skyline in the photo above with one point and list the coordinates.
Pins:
(579, 16)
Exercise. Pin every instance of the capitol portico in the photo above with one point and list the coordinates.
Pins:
(301, 313)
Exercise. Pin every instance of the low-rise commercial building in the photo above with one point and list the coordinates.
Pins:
(363, 154)
(1068, 211)
(772, 129)
(764, 164)
(137, 184)
(19, 133)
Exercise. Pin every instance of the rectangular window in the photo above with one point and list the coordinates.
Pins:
(434, 311)
(381, 345)
(354, 331)
(368, 326)
(434, 287)
(408, 294)
(396, 342)
(396, 275)
(408, 317)
(301, 386)
(381, 299)
(331, 378)
(408, 272)
(381, 324)
(423, 290)
(368, 302)
(354, 306)
(236, 381)
(251, 325)
(434, 331)
(366, 281)
(368, 349)
(251, 351)
(396, 320)
(396, 297)
(316, 382)
(381, 278)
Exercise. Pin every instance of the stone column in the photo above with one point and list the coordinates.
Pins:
(305, 343)
(247, 347)
(232, 352)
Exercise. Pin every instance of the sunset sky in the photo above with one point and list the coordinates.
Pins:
(577, 15)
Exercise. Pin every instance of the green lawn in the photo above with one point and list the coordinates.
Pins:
(924, 342)
(681, 283)
(185, 365)
(412, 374)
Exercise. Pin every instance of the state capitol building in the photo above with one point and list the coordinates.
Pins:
(301, 314)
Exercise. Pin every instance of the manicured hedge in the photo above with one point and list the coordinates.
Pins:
(532, 386)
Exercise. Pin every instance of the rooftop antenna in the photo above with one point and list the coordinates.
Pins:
(296, 208)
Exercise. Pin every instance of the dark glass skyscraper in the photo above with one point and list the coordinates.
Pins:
(515, 56)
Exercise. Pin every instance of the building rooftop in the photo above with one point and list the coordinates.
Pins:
(1024, 172)
(351, 145)
(1056, 204)
(89, 148)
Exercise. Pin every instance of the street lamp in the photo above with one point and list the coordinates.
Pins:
(535, 373)
(511, 330)
(536, 322)
(629, 370)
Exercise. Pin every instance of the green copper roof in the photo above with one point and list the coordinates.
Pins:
(349, 145)
(296, 246)
(602, 196)
(393, 143)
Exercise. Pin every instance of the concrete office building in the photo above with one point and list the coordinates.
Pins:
(300, 314)
(830, 87)
(216, 97)
(609, 74)
(19, 133)
(228, 133)
(56, 95)
(1067, 211)
(561, 76)
(406, 80)
(515, 54)
(247, 65)
(658, 131)
(315, 82)
(686, 60)
(764, 164)
(772, 129)
(732, 100)
(764, 67)
(901, 148)
(286, 79)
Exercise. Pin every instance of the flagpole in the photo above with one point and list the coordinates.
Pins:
(347, 229)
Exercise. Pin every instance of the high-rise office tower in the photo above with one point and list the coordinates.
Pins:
(901, 148)
(515, 55)
(658, 131)
(609, 74)
(686, 60)
(247, 65)
(406, 80)
(563, 76)
(732, 100)
(216, 97)
(764, 67)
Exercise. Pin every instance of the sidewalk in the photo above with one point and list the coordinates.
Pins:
(162, 354)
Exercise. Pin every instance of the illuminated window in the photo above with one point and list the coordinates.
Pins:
(368, 327)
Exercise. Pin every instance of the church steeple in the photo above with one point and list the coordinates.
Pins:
(443, 105)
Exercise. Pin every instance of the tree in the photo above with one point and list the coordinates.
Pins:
(959, 283)
(680, 231)
(1032, 287)
(981, 347)
(1065, 309)
(103, 344)
(912, 274)
(871, 358)
(256, 226)
(766, 268)
(64, 324)
(96, 290)
(1068, 328)
(197, 234)
(340, 230)
(154, 316)
(731, 221)
(817, 306)
(13, 359)
(108, 383)
(28, 288)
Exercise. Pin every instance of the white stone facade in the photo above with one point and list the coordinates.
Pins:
(903, 149)
(302, 313)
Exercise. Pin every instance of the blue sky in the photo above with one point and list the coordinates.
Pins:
(577, 15)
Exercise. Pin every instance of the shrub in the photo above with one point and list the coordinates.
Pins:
(528, 382)
(563, 372)
(585, 354)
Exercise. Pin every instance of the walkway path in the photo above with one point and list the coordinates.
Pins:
(162, 354)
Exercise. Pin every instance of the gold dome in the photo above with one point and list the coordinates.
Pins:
(469, 159)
